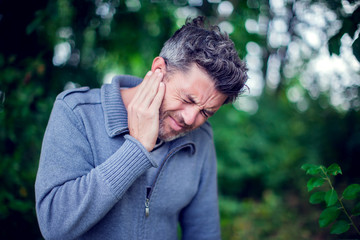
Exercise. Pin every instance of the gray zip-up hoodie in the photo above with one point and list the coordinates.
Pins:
(91, 181)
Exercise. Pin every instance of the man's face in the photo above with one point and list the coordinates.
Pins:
(190, 99)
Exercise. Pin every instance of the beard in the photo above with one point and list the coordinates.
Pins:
(171, 134)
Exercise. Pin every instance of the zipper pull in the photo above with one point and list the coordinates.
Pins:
(147, 210)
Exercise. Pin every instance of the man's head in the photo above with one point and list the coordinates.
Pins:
(210, 50)
(202, 71)
(190, 99)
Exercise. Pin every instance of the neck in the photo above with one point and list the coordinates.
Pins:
(127, 95)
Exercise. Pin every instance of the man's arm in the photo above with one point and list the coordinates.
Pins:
(72, 195)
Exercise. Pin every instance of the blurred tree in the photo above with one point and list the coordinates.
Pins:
(294, 113)
(350, 18)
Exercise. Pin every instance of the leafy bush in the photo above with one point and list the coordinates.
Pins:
(335, 204)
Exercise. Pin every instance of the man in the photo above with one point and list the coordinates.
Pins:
(135, 158)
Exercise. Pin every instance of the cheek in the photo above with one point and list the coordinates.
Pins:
(171, 103)
(172, 98)
(199, 121)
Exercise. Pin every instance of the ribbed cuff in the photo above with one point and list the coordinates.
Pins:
(125, 166)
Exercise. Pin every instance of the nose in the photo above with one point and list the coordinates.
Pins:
(190, 114)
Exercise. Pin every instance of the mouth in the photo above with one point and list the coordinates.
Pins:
(175, 124)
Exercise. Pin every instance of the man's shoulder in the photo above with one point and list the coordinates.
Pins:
(205, 131)
(79, 96)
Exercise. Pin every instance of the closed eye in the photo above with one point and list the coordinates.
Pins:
(190, 99)
(186, 101)
(206, 113)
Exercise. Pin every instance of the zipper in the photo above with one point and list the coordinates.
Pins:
(147, 209)
(150, 189)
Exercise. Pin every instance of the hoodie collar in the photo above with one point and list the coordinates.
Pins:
(114, 109)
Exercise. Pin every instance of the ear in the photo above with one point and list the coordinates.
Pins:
(159, 63)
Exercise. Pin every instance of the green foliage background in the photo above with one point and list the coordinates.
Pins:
(262, 189)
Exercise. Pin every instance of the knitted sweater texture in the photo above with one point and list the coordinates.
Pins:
(91, 182)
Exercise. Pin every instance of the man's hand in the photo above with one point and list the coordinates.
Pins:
(143, 110)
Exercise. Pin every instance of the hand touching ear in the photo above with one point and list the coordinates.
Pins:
(143, 110)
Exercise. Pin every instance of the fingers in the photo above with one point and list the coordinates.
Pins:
(149, 88)
(156, 103)
(139, 95)
(143, 110)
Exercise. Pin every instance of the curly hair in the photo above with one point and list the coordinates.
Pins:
(211, 50)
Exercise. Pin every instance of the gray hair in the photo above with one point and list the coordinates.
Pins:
(211, 50)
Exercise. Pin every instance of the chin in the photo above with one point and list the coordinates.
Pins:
(170, 135)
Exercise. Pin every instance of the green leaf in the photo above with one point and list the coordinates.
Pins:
(356, 210)
(328, 216)
(339, 227)
(352, 191)
(307, 166)
(317, 197)
(334, 169)
(314, 182)
(331, 197)
(312, 169)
